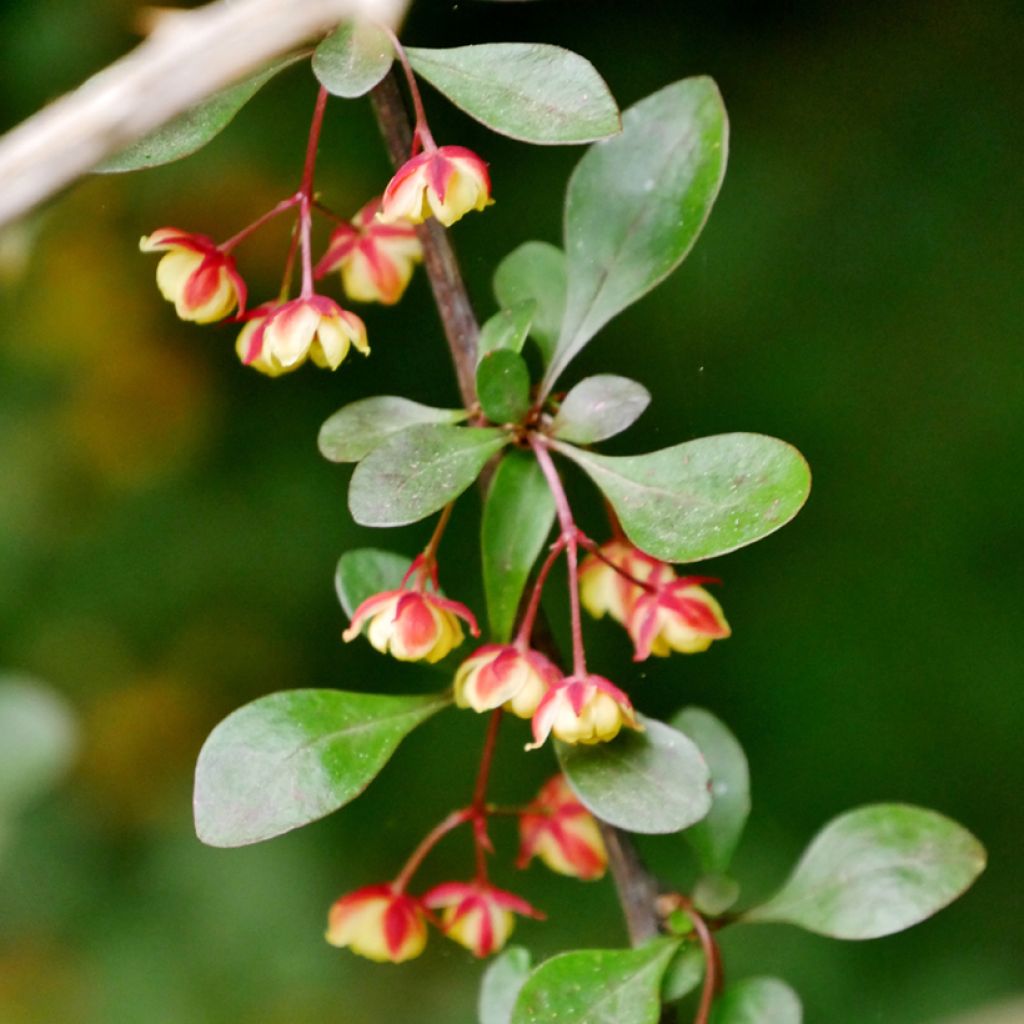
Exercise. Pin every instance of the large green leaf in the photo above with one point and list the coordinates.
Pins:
(357, 428)
(353, 59)
(636, 205)
(503, 386)
(535, 271)
(597, 986)
(876, 870)
(758, 1001)
(518, 514)
(192, 130)
(599, 407)
(716, 837)
(529, 91)
(363, 572)
(418, 471)
(290, 758)
(502, 982)
(701, 498)
(653, 781)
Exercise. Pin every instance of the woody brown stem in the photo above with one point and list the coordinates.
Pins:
(636, 887)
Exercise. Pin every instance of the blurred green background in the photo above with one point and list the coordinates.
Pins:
(168, 531)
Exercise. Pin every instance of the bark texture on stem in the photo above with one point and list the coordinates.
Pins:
(189, 56)
(457, 317)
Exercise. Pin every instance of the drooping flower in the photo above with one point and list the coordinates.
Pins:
(557, 828)
(379, 923)
(501, 674)
(376, 260)
(678, 616)
(583, 709)
(606, 591)
(412, 625)
(283, 336)
(477, 915)
(199, 278)
(445, 183)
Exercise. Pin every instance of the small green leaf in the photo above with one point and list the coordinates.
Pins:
(418, 471)
(598, 408)
(192, 130)
(38, 740)
(636, 204)
(758, 1001)
(357, 428)
(685, 972)
(367, 571)
(503, 386)
(502, 982)
(653, 781)
(535, 271)
(528, 91)
(876, 870)
(597, 986)
(715, 838)
(702, 498)
(290, 758)
(518, 514)
(353, 59)
(507, 329)
(714, 894)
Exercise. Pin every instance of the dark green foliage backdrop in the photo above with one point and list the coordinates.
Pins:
(168, 532)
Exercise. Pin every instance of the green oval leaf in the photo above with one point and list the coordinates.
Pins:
(416, 472)
(684, 973)
(653, 781)
(758, 1001)
(636, 204)
(503, 386)
(290, 758)
(518, 514)
(535, 271)
(597, 986)
(507, 329)
(353, 59)
(599, 407)
(716, 837)
(192, 130)
(502, 982)
(528, 91)
(363, 572)
(357, 428)
(702, 498)
(876, 870)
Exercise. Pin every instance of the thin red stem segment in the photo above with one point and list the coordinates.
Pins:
(712, 957)
(285, 204)
(306, 193)
(421, 130)
(432, 838)
(522, 640)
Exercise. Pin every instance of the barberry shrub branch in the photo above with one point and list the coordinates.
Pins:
(634, 208)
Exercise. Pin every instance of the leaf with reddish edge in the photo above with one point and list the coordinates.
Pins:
(597, 986)
(189, 132)
(535, 272)
(758, 1001)
(353, 59)
(416, 472)
(874, 871)
(652, 782)
(533, 92)
(291, 758)
(636, 204)
(599, 407)
(518, 513)
(701, 498)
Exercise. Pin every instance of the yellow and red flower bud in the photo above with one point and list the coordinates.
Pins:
(445, 183)
(376, 260)
(501, 674)
(557, 828)
(412, 625)
(477, 915)
(379, 923)
(583, 709)
(606, 591)
(281, 337)
(200, 279)
(679, 616)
